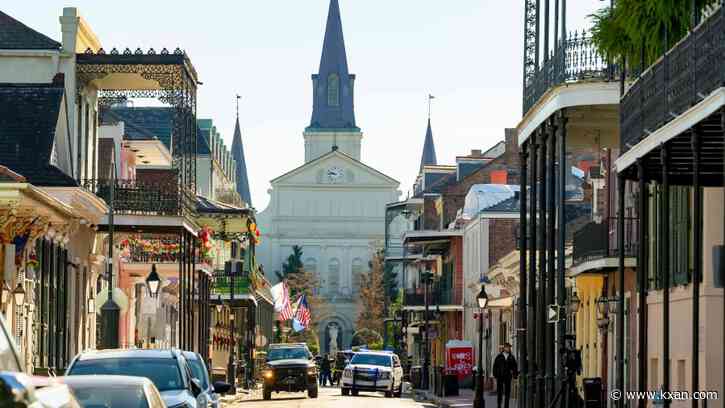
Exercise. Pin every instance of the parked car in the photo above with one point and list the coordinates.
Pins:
(210, 392)
(113, 391)
(373, 371)
(20, 390)
(291, 368)
(167, 369)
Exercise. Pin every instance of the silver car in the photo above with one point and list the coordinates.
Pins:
(210, 392)
(114, 391)
(167, 369)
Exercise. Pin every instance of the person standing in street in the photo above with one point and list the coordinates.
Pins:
(505, 369)
(325, 370)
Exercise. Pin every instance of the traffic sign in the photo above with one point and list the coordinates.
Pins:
(552, 314)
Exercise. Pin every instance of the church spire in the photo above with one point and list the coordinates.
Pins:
(429, 150)
(333, 107)
(238, 155)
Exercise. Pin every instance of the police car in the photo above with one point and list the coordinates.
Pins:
(375, 371)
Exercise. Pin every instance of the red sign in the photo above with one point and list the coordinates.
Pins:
(459, 360)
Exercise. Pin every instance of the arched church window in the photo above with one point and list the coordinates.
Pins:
(333, 90)
(357, 271)
(310, 265)
(333, 277)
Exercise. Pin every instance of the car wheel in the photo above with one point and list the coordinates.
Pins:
(354, 393)
(312, 392)
(345, 392)
(267, 394)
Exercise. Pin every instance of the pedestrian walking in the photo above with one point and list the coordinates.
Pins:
(325, 370)
(505, 369)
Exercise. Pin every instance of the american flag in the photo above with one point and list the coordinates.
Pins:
(303, 312)
(286, 312)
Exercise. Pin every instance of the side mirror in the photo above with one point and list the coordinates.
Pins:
(195, 387)
(220, 387)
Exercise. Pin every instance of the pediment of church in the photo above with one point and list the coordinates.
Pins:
(335, 169)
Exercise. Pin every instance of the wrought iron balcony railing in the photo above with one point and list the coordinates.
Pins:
(576, 59)
(683, 77)
(437, 296)
(137, 197)
(596, 241)
(230, 284)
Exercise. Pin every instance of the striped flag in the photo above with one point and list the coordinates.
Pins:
(303, 315)
(282, 304)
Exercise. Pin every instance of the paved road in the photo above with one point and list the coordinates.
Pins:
(329, 398)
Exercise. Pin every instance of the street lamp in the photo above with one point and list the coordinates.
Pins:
(153, 281)
(574, 303)
(19, 295)
(482, 299)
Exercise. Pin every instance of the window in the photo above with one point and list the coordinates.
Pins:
(357, 271)
(333, 277)
(333, 90)
(310, 265)
(680, 240)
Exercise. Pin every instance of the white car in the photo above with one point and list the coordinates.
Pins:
(373, 371)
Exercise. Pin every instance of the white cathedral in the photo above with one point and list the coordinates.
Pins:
(333, 206)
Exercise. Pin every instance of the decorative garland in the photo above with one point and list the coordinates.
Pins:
(138, 248)
(206, 245)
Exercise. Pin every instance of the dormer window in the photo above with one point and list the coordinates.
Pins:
(333, 90)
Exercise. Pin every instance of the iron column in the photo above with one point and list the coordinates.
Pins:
(697, 258)
(110, 311)
(531, 334)
(665, 268)
(621, 184)
(551, 266)
(541, 291)
(523, 238)
(642, 264)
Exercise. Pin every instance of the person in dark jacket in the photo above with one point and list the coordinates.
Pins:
(505, 369)
(325, 371)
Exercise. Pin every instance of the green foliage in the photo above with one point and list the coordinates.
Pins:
(636, 28)
(390, 281)
(293, 265)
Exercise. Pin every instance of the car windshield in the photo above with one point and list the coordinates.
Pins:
(110, 395)
(198, 372)
(371, 359)
(163, 372)
(287, 353)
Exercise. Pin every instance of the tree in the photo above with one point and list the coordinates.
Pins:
(372, 297)
(293, 265)
(390, 280)
(636, 28)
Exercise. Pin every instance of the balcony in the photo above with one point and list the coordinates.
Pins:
(576, 59)
(438, 296)
(598, 241)
(137, 197)
(686, 75)
(230, 285)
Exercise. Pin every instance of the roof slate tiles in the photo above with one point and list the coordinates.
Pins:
(15, 35)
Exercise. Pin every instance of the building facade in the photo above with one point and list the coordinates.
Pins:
(333, 206)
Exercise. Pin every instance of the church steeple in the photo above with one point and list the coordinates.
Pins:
(429, 150)
(333, 85)
(238, 155)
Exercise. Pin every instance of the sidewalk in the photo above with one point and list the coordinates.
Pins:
(465, 400)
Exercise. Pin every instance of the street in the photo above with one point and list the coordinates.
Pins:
(329, 398)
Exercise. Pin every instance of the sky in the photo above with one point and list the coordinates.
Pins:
(467, 53)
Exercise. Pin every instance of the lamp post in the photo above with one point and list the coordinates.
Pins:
(479, 401)
(153, 282)
(110, 311)
(232, 365)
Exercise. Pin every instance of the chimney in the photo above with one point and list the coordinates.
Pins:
(476, 153)
(69, 23)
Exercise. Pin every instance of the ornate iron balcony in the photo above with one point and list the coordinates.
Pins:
(230, 284)
(576, 59)
(683, 77)
(136, 197)
(596, 241)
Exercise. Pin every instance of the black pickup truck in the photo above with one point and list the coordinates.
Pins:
(289, 368)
